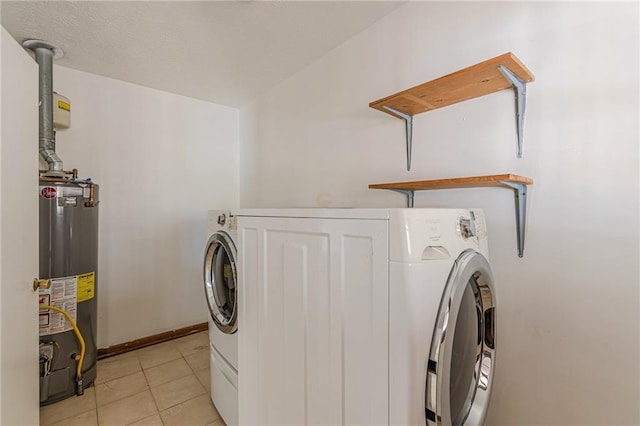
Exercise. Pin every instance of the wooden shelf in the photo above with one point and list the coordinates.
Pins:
(465, 182)
(517, 183)
(472, 82)
(499, 73)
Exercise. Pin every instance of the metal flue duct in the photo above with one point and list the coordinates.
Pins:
(45, 53)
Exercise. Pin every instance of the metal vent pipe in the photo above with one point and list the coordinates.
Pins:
(45, 53)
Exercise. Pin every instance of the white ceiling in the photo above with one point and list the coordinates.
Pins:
(227, 52)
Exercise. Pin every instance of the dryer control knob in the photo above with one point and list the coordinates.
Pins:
(222, 219)
(467, 228)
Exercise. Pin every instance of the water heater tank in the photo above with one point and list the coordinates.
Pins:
(68, 218)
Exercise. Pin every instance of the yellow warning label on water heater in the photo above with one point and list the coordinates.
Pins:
(86, 286)
(64, 105)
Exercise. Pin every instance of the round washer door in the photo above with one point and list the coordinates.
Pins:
(462, 356)
(220, 281)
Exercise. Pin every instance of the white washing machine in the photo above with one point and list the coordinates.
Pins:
(365, 316)
(220, 286)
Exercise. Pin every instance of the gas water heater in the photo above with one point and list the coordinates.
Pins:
(69, 259)
(68, 253)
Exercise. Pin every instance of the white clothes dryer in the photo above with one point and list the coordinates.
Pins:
(365, 316)
(220, 286)
(441, 317)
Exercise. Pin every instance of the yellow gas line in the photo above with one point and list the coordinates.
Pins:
(80, 339)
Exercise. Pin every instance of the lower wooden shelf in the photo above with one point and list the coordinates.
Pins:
(517, 183)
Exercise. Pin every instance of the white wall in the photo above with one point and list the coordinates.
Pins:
(569, 310)
(161, 161)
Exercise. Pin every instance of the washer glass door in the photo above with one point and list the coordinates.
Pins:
(462, 356)
(220, 281)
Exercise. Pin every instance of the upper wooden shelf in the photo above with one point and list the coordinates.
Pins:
(502, 72)
(464, 182)
(515, 182)
(472, 82)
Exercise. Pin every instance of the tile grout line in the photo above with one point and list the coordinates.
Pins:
(117, 378)
(197, 380)
(152, 395)
(179, 378)
(128, 396)
(219, 419)
(194, 371)
(122, 399)
(70, 417)
(95, 391)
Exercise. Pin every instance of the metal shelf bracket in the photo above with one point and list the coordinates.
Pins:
(520, 192)
(408, 120)
(520, 90)
(409, 193)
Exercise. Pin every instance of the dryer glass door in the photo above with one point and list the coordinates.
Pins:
(462, 356)
(220, 281)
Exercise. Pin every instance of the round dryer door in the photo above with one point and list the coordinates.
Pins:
(220, 281)
(462, 356)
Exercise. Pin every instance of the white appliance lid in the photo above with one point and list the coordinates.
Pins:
(335, 213)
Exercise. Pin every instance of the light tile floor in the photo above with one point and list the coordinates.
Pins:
(164, 384)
